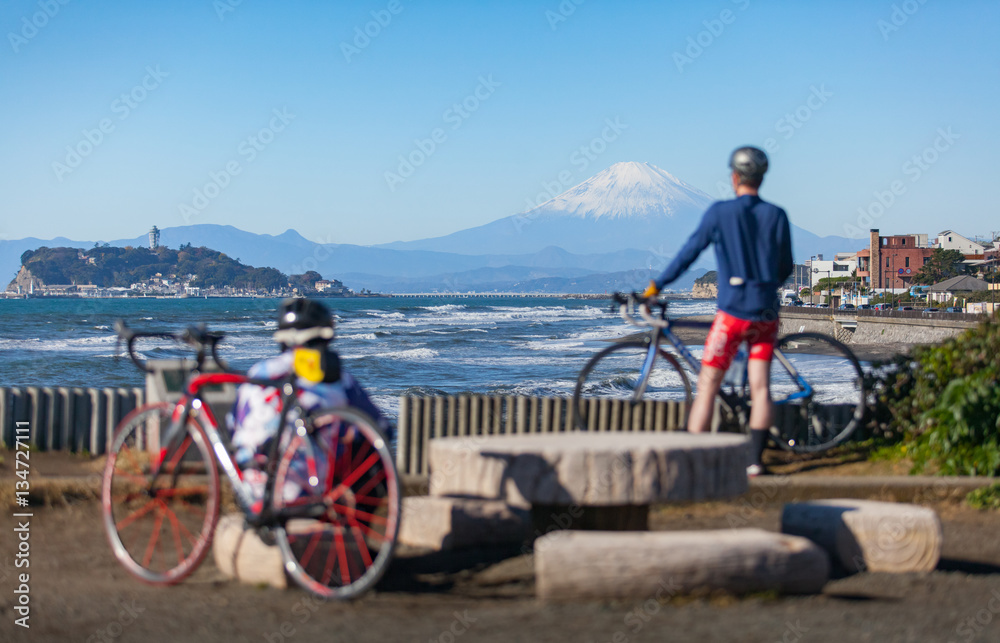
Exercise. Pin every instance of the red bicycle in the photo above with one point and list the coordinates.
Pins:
(331, 500)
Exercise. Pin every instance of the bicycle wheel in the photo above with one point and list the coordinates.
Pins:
(338, 472)
(160, 503)
(614, 374)
(818, 391)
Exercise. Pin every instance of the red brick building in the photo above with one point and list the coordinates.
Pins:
(891, 262)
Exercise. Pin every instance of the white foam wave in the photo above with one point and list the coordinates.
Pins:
(554, 345)
(413, 353)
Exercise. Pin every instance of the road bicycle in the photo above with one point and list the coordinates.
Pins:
(817, 384)
(331, 500)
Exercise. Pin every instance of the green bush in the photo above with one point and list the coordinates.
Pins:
(943, 403)
(985, 498)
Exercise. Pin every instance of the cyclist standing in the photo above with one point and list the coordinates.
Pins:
(753, 248)
(323, 383)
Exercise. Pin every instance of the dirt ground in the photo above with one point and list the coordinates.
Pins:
(78, 592)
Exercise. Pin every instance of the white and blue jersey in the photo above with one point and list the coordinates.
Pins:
(257, 411)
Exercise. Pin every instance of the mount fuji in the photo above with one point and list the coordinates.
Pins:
(627, 206)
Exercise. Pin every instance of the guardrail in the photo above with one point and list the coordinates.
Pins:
(916, 313)
(68, 419)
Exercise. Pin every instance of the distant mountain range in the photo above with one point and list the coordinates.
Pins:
(610, 232)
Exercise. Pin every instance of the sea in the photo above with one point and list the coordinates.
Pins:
(393, 345)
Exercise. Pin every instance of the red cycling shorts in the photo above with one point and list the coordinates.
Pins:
(728, 332)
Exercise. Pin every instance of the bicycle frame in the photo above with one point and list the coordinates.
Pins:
(662, 329)
(192, 406)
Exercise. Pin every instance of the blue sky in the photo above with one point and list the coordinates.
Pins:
(280, 115)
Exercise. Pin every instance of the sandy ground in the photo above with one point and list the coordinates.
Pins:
(78, 592)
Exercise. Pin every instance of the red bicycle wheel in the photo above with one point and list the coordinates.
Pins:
(337, 469)
(160, 503)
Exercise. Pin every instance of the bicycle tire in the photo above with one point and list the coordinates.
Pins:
(346, 550)
(159, 532)
(613, 373)
(836, 406)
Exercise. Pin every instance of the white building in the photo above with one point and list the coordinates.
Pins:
(843, 265)
(951, 240)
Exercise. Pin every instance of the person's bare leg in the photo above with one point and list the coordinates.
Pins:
(709, 381)
(759, 379)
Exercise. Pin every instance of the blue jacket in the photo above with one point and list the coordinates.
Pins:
(753, 248)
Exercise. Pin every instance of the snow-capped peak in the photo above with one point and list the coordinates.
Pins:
(627, 190)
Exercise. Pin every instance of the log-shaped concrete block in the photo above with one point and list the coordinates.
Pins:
(453, 523)
(240, 554)
(869, 535)
(573, 565)
(591, 469)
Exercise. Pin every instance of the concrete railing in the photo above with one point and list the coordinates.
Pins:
(67, 419)
(422, 419)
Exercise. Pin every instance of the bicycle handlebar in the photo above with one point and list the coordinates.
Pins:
(626, 300)
(204, 341)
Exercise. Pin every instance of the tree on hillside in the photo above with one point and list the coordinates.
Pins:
(710, 277)
(943, 264)
(306, 281)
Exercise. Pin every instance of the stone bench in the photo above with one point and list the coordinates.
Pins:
(588, 565)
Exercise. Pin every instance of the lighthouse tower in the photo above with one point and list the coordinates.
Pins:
(154, 238)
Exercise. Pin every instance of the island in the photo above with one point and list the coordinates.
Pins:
(107, 271)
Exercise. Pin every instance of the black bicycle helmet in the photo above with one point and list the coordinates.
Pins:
(301, 321)
(750, 163)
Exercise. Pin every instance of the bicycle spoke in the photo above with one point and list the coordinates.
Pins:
(345, 575)
(154, 537)
(359, 540)
(125, 522)
(377, 478)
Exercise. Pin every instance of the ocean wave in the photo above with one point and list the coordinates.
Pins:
(443, 308)
(412, 353)
(554, 345)
(359, 336)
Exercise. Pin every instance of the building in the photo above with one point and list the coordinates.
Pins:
(842, 265)
(890, 263)
(335, 287)
(154, 238)
(946, 289)
(951, 240)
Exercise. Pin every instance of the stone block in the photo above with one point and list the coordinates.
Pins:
(869, 535)
(586, 565)
(240, 554)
